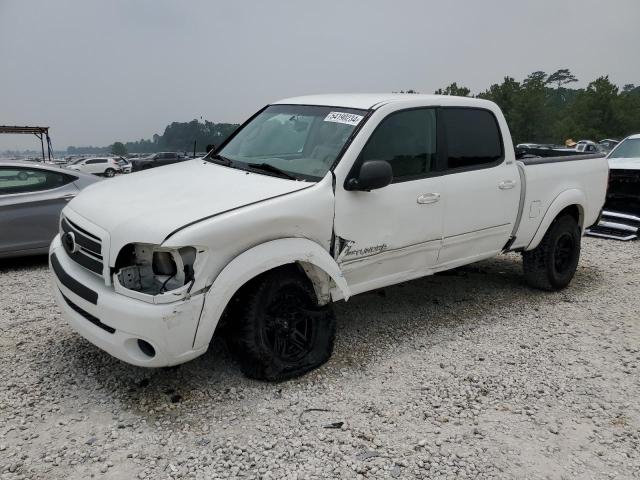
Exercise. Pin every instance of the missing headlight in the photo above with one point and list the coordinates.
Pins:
(154, 270)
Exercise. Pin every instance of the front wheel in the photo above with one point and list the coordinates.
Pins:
(553, 263)
(280, 331)
(109, 172)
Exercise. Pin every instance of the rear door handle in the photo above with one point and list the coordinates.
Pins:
(506, 184)
(426, 198)
(68, 196)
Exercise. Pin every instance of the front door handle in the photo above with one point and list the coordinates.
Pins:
(68, 196)
(506, 184)
(426, 198)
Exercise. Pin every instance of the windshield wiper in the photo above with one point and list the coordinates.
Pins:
(217, 158)
(267, 167)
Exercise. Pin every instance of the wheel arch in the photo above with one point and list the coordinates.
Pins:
(319, 267)
(568, 202)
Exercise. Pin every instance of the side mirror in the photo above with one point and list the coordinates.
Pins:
(373, 174)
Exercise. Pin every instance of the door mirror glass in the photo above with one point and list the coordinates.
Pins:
(373, 174)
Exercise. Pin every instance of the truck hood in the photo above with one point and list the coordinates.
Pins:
(146, 207)
(624, 163)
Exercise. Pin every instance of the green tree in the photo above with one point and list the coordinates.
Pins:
(561, 77)
(455, 90)
(118, 148)
(505, 95)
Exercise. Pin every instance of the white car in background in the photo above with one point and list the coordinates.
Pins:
(107, 167)
(125, 164)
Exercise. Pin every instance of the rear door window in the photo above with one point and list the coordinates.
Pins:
(25, 180)
(473, 138)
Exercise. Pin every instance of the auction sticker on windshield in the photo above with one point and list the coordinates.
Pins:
(342, 117)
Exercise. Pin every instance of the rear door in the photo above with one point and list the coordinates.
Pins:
(166, 158)
(481, 186)
(393, 233)
(172, 158)
(30, 203)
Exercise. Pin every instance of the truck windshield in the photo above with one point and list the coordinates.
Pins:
(300, 141)
(629, 148)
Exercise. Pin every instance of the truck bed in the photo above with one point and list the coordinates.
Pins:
(545, 179)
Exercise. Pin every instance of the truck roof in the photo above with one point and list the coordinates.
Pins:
(368, 101)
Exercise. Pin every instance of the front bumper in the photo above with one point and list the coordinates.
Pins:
(116, 323)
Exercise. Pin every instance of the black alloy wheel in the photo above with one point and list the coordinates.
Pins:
(278, 331)
(553, 263)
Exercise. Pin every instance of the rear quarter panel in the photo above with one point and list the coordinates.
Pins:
(551, 187)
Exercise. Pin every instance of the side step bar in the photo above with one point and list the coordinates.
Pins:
(617, 226)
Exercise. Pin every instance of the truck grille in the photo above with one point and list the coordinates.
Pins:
(83, 247)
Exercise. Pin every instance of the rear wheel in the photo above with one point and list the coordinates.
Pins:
(109, 172)
(553, 263)
(280, 331)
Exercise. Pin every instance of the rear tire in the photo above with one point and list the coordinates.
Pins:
(279, 331)
(109, 172)
(553, 263)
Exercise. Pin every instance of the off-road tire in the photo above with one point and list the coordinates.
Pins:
(273, 302)
(109, 172)
(552, 264)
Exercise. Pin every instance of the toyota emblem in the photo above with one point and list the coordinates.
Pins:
(69, 242)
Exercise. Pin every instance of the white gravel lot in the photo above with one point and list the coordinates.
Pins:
(465, 375)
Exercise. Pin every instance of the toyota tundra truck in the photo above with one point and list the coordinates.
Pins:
(311, 201)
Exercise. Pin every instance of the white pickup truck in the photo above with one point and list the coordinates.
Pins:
(312, 200)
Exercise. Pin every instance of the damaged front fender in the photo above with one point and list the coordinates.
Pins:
(322, 270)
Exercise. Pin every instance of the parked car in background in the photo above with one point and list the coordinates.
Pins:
(97, 166)
(315, 199)
(608, 143)
(621, 214)
(31, 198)
(156, 160)
(588, 146)
(125, 164)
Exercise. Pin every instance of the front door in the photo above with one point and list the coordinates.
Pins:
(394, 233)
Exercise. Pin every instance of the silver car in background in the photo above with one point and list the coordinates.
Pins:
(31, 198)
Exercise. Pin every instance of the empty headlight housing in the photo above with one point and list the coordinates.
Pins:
(154, 273)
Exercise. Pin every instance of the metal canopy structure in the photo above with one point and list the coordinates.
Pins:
(40, 132)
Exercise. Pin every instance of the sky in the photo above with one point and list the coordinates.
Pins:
(119, 70)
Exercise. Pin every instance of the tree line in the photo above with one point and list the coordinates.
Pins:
(177, 137)
(542, 108)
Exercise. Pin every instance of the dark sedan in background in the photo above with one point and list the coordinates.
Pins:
(156, 160)
(31, 198)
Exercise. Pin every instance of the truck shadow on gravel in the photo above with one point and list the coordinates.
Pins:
(369, 326)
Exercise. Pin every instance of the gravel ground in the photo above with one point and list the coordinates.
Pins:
(465, 375)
